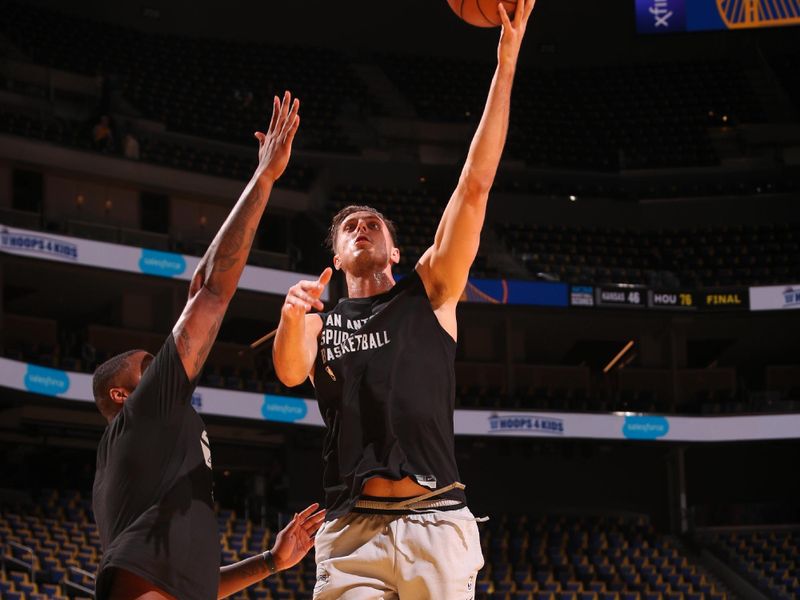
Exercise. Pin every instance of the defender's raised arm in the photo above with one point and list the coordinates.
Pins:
(217, 276)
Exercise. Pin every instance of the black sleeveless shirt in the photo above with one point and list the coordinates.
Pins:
(385, 381)
(152, 494)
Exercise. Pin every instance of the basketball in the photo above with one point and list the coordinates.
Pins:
(481, 13)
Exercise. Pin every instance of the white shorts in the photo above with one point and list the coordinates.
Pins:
(418, 556)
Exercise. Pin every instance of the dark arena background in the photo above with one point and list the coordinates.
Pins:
(628, 367)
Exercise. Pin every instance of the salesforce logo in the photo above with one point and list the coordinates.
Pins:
(645, 427)
(283, 408)
(162, 264)
(48, 382)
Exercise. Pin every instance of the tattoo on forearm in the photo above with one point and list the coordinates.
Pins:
(254, 566)
(239, 236)
(205, 348)
(183, 343)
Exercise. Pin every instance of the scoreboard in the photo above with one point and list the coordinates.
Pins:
(639, 296)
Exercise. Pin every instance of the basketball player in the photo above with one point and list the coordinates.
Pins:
(382, 364)
(152, 495)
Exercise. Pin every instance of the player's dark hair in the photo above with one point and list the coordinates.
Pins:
(115, 372)
(338, 219)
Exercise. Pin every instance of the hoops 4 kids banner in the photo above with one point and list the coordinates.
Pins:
(44, 246)
(59, 386)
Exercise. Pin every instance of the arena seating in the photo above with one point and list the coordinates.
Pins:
(768, 559)
(633, 117)
(43, 544)
(527, 558)
(586, 558)
(785, 67)
(160, 150)
(210, 88)
(697, 257)
(42, 548)
(640, 116)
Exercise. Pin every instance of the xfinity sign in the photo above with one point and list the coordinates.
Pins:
(660, 16)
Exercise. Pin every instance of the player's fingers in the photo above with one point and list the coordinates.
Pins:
(313, 289)
(294, 528)
(298, 303)
(260, 137)
(312, 298)
(289, 119)
(303, 294)
(306, 512)
(306, 285)
(313, 524)
(293, 130)
(315, 294)
(310, 301)
(325, 277)
(501, 10)
(529, 8)
(314, 521)
(285, 105)
(276, 109)
(519, 12)
(318, 516)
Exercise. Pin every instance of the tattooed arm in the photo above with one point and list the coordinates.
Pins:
(291, 544)
(217, 276)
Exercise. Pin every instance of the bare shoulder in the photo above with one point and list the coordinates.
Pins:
(313, 325)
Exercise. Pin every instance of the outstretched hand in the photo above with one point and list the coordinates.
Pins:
(295, 540)
(275, 146)
(305, 295)
(513, 31)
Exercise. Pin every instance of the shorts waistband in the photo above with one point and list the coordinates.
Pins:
(427, 502)
(364, 505)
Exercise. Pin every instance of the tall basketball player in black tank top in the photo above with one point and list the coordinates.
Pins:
(382, 364)
(152, 493)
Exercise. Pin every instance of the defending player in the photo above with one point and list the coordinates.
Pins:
(152, 495)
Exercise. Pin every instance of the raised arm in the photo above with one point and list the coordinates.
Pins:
(444, 267)
(291, 545)
(217, 276)
(295, 346)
